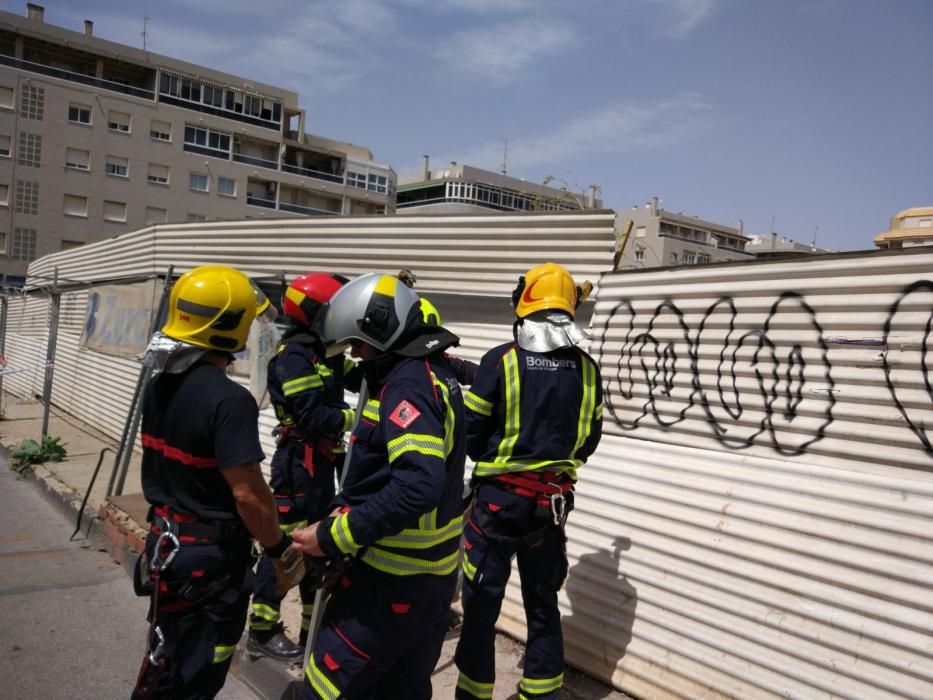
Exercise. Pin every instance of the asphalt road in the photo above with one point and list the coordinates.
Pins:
(70, 625)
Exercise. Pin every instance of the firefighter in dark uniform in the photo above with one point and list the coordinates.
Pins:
(400, 514)
(306, 391)
(207, 495)
(534, 416)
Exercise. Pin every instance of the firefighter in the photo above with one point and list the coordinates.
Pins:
(207, 495)
(534, 416)
(399, 517)
(306, 391)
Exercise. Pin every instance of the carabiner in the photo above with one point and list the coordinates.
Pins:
(158, 563)
(156, 654)
(558, 508)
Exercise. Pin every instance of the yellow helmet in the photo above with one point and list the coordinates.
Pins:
(430, 314)
(547, 286)
(212, 307)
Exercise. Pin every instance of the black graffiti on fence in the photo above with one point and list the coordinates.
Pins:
(918, 427)
(780, 395)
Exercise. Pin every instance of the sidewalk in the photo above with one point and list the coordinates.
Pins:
(116, 525)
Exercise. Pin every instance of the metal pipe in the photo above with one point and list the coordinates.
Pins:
(317, 612)
(56, 301)
(4, 312)
(145, 373)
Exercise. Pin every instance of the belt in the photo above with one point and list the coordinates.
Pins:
(538, 485)
(188, 528)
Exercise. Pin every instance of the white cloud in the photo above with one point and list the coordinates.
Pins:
(504, 52)
(681, 17)
(619, 128)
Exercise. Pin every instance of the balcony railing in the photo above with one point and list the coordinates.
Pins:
(316, 174)
(260, 202)
(301, 209)
(253, 160)
(76, 77)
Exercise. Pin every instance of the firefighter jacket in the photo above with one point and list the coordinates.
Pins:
(533, 411)
(306, 390)
(403, 494)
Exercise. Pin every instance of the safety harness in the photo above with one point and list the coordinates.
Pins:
(551, 492)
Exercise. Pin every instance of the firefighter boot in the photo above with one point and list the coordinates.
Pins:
(275, 646)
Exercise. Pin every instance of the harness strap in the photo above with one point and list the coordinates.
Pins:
(188, 528)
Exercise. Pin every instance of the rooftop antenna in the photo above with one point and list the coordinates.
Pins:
(145, 32)
(815, 231)
(505, 157)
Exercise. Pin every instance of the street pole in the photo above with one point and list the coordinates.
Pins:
(50, 355)
(4, 312)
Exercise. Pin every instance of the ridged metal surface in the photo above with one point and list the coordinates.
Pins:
(756, 520)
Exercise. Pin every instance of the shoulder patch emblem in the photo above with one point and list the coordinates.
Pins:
(404, 414)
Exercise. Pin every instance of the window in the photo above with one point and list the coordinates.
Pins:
(207, 142)
(197, 182)
(640, 232)
(118, 121)
(30, 149)
(158, 174)
(74, 205)
(213, 96)
(356, 180)
(377, 183)
(79, 114)
(23, 245)
(6, 97)
(639, 255)
(154, 215)
(2, 243)
(226, 187)
(27, 197)
(673, 258)
(4, 195)
(689, 257)
(160, 131)
(196, 217)
(76, 158)
(117, 166)
(702, 259)
(70, 245)
(4, 146)
(114, 211)
(31, 102)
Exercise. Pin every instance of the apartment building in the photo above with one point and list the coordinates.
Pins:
(774, 245)
(659, 238)
(463, 189)
(98, 138)
(908, 229)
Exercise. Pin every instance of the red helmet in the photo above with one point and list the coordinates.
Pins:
(307, 293)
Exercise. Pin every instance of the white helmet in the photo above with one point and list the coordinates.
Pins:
(373, 308)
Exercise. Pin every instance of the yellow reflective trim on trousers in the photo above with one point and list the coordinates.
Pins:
(289, 528)
(343, 538)
(477, 404)
(587, 405)
(294, 386)
(541, 685)
(564, 466)
(468, 569)
(423, 538)
(266, 612)
(512, 406)
(322, 685)
(415, 442)
(400, 565)
(223, 653)
(475, 688)
(371, 410)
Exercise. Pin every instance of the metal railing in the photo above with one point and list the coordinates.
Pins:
(253, 160)
(301, 209)
(260, 202)
(77, 77)
(316, 174)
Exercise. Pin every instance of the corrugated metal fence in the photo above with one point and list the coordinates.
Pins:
(757, 520)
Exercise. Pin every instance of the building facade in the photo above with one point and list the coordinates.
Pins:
(98, 138)
(463, 189)
(652, 237)
(776, 246)
(909, 229)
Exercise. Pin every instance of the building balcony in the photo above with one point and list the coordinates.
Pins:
(255, 201)
(62, 74)
(315, 174)
(308, 211)
(255, 160)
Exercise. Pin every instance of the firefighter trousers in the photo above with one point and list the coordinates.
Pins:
(376, 642)
(501, 525)
(302, 497)
(201, 612)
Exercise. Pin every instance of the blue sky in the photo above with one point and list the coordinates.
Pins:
(816, 115)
